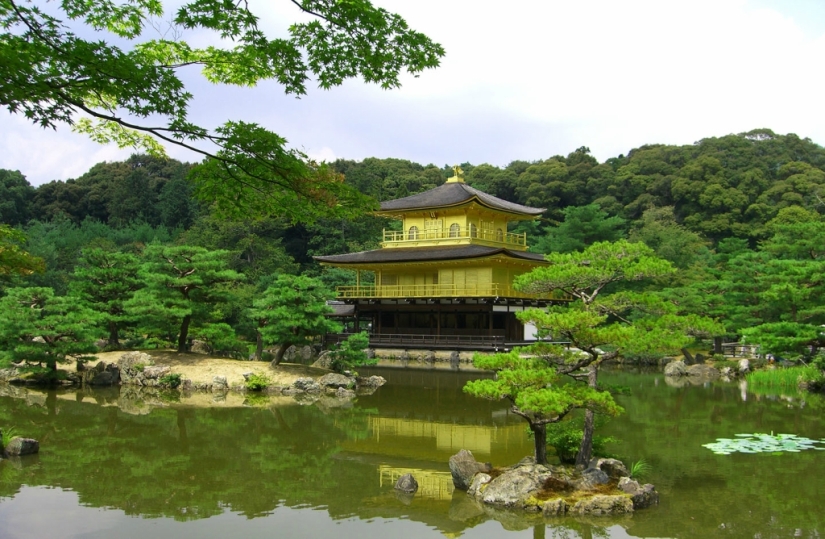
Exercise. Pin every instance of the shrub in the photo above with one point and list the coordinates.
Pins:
(8, 434)
(257, 382)
(566, 438)
(350, 353)
(172, 380)
(789, 377)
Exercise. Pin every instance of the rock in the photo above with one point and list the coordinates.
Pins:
(200, 347)
(405, 356)
(305, 353)
(675, 368)
(429, 356)
(22, 446)
(307, 384)
(155, 372)
(39, 340)
(186, 384)
(591, 478)
(344, 393)
(699, 358)
(641, 496)
(603, 505)
(407, 483)
(131, 365)
(744, 366)
(463, 466)
(479, 480)
(102, 379)
(219, 383)
(554, 508)
(370, 353)
(703, 371)
(515, 486)
(614, 469)
(289, 355)
(335, 380)
(100, 344)
(727, 372)
(371, 381)
(324, 360)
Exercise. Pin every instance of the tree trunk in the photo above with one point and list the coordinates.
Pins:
(279, 355)
(184, 333)
(113, 340)
(540, 437)
(259, 345)
(586, 448)
(688, 357)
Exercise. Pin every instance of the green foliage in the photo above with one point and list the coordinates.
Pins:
(43, 330)
(582, 226)
(184, 286)
(787, 377)
(8, 434)
(13, 258)
(291, 312)
(640, 469)
(257, 382)
(351, 353)
(172, 380)
(108, 87)
(565, 438)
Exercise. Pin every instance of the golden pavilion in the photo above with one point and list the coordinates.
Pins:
(444, 280)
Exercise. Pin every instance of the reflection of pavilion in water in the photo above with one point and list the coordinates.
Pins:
(423, 448)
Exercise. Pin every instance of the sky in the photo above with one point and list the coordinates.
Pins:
(523, 80)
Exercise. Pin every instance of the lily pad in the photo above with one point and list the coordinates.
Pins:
(763, 443)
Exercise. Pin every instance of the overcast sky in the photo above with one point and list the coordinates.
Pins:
(524, 80)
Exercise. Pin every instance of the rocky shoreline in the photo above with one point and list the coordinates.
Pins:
(603, 488)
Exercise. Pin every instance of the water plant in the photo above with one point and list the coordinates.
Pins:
(785, 377)
(256, 382)
(763, 443)
(172, 380)
(7, 435)
(640, 469)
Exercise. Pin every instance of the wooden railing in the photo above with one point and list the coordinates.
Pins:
(437, 291)
(447, 235)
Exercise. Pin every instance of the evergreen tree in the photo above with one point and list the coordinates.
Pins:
(104, 281)
(184, 284)
(43, 330)
(291, 312)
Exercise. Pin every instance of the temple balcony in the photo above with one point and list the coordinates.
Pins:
(439, 291)
(454, 236)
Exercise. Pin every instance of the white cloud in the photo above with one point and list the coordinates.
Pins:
(526, 80)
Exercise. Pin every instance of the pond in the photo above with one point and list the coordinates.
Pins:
(108, 468)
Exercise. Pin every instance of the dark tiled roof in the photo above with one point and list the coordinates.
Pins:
(422, 254)
(451, 194)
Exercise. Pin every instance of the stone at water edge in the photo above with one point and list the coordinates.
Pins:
(335, 380)
(307, 384)
(703, 371)
(614, 468)
(591, 478)
(675, 368)
(407, 483)
(463, 466)
(476, 487)
(642, 496)
(554, 508)
(19, 447)
(603, 505)
(219, 383)
(744, 366)
(515, 486)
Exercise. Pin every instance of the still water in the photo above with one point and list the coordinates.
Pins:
(115, 467)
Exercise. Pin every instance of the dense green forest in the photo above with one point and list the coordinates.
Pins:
(740, 216)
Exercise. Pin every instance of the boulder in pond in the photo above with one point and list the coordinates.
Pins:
(407, 483)
(477, 486)
(371, 381)
(334, 380)
(603, 504)
(675, 368)
(642, 496)
(307, 384)
(703, 371)
(515, 486)
(219, 383)
(614, 468)
(463, 466)
(556, 507)
(744, 366)
(19, 447)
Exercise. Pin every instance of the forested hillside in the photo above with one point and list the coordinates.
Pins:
(740, 215)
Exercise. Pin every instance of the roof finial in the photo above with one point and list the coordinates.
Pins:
(458, 175)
